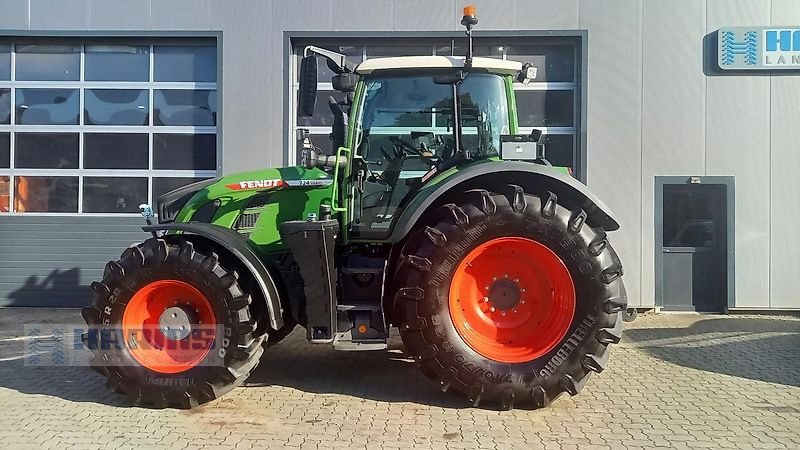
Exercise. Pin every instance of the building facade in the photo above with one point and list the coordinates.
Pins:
(105, 104)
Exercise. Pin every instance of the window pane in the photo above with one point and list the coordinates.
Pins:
(5, 106)
(545, 108)
(115, 151)
(322, 112)
(117, 63)
(48, 62)
(385, 51)
(116, 107)
(689, 216)
(46, 194)
(46, 151)
(185, 63)
(5, 150)
(185, 151)
(113, 195)
(559, 149)
(164, 185)
(554, 62)
(5, 189)
(47, 106)
(5, 62)
(185, 107)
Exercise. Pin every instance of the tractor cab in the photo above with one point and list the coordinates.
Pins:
(405, 120)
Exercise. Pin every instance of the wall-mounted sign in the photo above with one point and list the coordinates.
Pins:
(758, 48)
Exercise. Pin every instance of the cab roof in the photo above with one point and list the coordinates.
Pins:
(436, 62)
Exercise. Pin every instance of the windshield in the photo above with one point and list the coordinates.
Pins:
(412, 116)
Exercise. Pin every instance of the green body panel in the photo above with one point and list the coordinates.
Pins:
(291, 195)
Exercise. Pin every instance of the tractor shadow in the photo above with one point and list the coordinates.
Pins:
(384, 376)
(755, 348)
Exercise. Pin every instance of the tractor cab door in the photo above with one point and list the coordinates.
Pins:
(395, 146)
(404, 128)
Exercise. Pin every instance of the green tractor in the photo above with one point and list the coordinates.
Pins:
(433, 216)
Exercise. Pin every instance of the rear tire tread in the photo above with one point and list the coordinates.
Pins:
(411, 295)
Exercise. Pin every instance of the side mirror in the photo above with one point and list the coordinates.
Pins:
(308, 86)
(344, 82)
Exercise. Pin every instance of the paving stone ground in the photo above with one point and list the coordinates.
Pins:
(679, 381)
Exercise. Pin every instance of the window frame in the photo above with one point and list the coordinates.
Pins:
(577, 39)
(212, 39)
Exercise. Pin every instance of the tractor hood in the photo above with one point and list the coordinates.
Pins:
(267, 179)
(186, 203)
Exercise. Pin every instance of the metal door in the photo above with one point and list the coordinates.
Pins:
(694, 247)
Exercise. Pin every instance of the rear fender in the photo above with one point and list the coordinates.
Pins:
(533, 178)
(249, 257)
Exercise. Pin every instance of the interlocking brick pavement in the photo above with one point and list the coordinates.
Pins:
(679, 381)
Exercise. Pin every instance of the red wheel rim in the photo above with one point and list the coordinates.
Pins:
(154, 336)
(512, 299)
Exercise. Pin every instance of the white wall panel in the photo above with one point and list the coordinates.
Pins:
(185, 14)
(59, 14)
(673, 108)
(784, 182)
(360, 15)
(614, 120)
(547, 14)
(738, 144)
(251, 86)
(119, 14)
(426, 15)
(15, 15)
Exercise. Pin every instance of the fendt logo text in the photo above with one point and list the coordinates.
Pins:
(759, 48)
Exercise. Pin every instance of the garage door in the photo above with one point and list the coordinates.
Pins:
(90, 129)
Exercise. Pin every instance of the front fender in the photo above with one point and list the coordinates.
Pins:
(235, 244)
(532, 177)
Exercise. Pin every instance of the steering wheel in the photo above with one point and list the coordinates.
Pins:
(404, 144)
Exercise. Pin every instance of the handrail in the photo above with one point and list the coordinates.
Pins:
(335, 192)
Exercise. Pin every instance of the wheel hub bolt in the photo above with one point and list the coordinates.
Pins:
(492, 309)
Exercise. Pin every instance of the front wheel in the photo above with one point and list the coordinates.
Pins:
(510, 297)
(170, 326)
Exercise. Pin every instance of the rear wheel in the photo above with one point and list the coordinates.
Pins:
(172, 327)
(509, 297)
